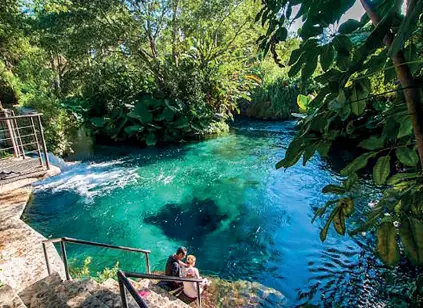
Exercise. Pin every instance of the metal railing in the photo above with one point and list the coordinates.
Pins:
(64, 240)
(22, 144)
(125, 284)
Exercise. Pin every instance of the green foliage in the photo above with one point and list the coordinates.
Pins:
(83, 271)
(84, 63)
(360, 104)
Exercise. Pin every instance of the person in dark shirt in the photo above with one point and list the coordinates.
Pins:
(173, 266)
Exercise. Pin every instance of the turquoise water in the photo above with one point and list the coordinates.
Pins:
(223, 199)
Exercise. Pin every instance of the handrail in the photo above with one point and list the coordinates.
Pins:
(29, 115)
(63, 240)
(124, 281)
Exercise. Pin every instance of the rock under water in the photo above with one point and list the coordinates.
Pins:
(188, 221)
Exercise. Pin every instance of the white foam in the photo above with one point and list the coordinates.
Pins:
(90, 181)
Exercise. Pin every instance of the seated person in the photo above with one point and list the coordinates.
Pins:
(173, 266)
(190, 271)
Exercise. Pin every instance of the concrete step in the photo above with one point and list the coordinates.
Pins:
(52, 292)
(42, 294)
(9, 298)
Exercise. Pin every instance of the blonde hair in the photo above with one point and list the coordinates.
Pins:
(191, 259)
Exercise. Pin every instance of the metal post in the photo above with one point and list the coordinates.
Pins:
(20, 139)
(46, 257)
(40, 126)
(36, 140)
(198, 294)
(147, 262)
(122, 292)
(9, 125)
(65, 259)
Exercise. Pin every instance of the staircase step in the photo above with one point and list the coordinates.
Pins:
(9, 298)
(40, 293)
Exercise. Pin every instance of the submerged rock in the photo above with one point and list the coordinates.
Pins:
(240, 293)
(188, 221)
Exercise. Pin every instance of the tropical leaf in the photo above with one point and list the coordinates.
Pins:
(292, 155)
(373, 143)
(357, 164)
(399, 177)
(382, 169)
(151, 139)
(406, 127)
(339, 222)
(326, 56)
(133, 129)
(334, 189)
(98, 122)
(386, 246)
(349, 26)
(411, 230)
(407, 156)
(324, 231)
(303, 101)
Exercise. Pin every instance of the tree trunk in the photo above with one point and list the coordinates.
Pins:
(411, 90)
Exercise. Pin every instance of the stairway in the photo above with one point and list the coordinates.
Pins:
(52, 292)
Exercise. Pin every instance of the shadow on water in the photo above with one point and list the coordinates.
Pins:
(188, 221)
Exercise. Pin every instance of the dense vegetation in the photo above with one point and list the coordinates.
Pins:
(140, 71)
(370, 98)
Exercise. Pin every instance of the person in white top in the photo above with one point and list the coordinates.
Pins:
(190, 271)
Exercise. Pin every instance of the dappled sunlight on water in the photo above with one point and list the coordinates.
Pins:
(224, 200)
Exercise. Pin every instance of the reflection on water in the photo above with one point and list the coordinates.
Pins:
(223, 199)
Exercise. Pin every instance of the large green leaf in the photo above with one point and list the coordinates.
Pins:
(295, 55)
(386, 246)
(303, 101)
(339, 221)
(407, 156)
(407, 27)
(358, 101)
(349, 26)
(399, 177)
(292, 155)
(168, 114)
(333, 189)
(382, 169)
(411, 231)
(98, 122)
(324, 231)
(373, 143)
(309, 67)
(133, 129)
(326, 56)
(357, 164)
(141, 113)
(151, 139)
(406, 126)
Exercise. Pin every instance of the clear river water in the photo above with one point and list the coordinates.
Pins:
(223, 199)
